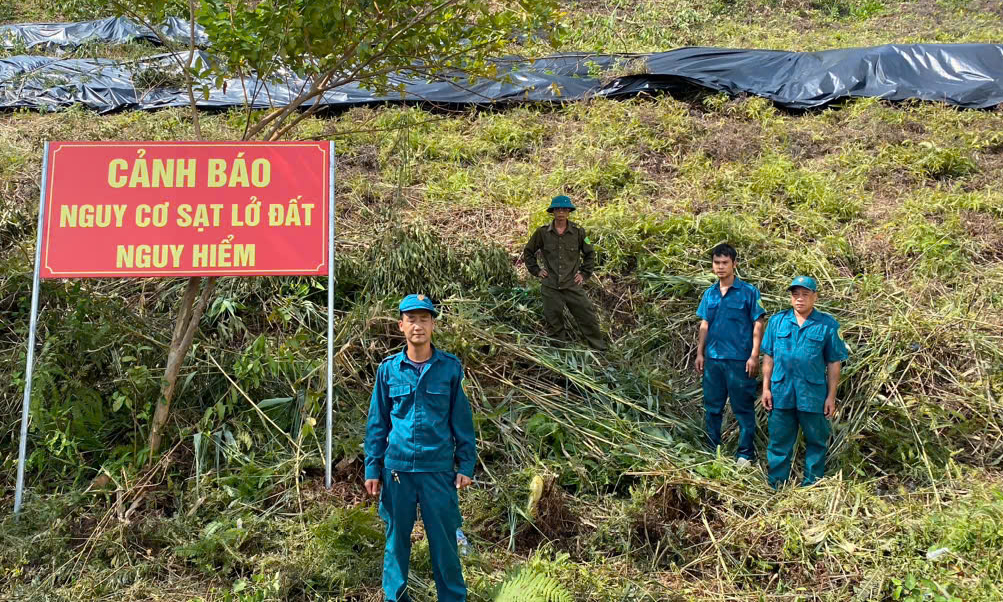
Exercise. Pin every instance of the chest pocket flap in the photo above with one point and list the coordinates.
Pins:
(438, 396)
(439, 388)
(734, 307)
(399, 390)
(816, 335)
(733, 302)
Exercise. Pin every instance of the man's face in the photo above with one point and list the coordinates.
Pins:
(803, 300)
(417, 326)
(561, 214)
(723, 266)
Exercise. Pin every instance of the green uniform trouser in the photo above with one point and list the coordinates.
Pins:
(783, 425)
(554, 302)
(723, 379)
(435, 492)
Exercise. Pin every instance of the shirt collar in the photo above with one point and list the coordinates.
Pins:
(550, 227)
(402, 357)
(737, 285)
(792, 316)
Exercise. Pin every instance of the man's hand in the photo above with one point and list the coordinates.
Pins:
(579, 279)
(698, 365)
(752, 366)
(463, 481)
(373, 486)
(768, 400)
(830, 407)
(542, 275)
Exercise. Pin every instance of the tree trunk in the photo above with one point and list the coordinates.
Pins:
(181, 342)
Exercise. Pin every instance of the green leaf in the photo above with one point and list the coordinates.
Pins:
(267, 403)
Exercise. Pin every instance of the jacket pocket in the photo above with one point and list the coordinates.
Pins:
(816, 337)
(712, 310)
(551, 249)
(399, 396)
(815, 377)
(812, 366)
(438, 397)
(784, 338)
(734, 309)
(399, 390)
(569, 252)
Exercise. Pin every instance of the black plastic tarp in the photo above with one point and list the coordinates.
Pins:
(966, 75)
(113, 30)
(103, 85)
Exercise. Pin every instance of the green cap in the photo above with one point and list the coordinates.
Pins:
(417, 302)
(560, 202)
(804, 282)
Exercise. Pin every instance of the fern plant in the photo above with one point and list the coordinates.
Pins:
(528, 585)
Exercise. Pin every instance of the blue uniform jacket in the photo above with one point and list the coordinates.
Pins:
(731, 319)
(420, 423)
(800, 356)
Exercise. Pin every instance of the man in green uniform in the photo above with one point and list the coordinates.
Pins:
(568, 261)
(420, 450)
(802, 351)
(731, 328)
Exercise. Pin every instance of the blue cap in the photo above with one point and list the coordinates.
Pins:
(560, 202)
(415, 302)
(804, 282)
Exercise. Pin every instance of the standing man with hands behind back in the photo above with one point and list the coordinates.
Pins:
(420, 450)
(731, 328)
(802, 351)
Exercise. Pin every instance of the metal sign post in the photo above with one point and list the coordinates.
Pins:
(330, 323)
(30, 366)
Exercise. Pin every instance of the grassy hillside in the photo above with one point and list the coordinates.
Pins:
(895, 208)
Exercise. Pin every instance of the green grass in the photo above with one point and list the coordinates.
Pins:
(807, 25)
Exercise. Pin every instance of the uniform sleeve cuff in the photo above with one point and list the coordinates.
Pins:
(373, 472)
(467, 471)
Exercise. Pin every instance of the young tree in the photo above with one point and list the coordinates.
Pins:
(332, 43)
(364, 42)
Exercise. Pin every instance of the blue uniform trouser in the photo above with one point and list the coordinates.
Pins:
(724, 379)
(783, 426)
(435, 492)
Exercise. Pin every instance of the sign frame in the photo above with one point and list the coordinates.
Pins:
(161, 212)
(33, 325)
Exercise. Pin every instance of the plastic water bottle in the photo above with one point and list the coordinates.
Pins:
(462, 545)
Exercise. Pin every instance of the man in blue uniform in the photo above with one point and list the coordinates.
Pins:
(731, 328)
(420, 450)
(802, 351)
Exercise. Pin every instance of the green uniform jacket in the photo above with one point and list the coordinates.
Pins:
(420, 422)
(564, 255)
(800, 356)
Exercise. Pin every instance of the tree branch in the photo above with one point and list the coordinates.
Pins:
(385, 41)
